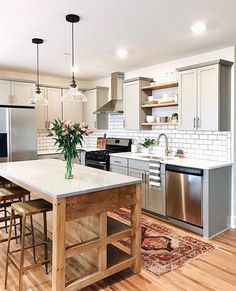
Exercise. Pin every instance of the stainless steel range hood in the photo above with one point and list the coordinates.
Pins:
(115, 105)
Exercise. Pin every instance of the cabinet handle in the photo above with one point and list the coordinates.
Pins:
(194, 122)
(198, 122)
(95, 124)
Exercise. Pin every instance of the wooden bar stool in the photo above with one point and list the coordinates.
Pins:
(8, 195)
(25, 209)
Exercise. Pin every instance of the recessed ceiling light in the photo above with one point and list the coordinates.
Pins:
(121, 53)
(198, 27)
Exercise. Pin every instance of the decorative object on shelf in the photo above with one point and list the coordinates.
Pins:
(74, 94)
(179, 153)
(153, 83)
(150, 98)
(38, 99)
(147, 144)
(163, 119)
(150, 118)
(174, 117)
(67, 136)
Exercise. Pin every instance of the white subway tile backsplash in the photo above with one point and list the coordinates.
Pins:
(209, 145)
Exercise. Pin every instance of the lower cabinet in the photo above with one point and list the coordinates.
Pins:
(119, 169)
(153, 199)
(141, 175)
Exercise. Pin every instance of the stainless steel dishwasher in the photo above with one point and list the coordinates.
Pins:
(184, 194)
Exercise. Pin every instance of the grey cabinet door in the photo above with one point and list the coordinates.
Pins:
(119, 170)
(141, 175)
(155, 199)
(5, 92)
(188, 99)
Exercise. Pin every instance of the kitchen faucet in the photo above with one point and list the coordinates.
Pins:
(166, 140)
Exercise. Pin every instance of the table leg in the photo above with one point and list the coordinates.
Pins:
(136, 224)
(58, 243)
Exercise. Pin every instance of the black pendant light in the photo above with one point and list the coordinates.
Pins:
(38, 98)
(74, 94)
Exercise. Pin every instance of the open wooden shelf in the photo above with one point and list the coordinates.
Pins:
(115, 226)
(116, 256)
(161, 86)
(159, 123)
(156, 105)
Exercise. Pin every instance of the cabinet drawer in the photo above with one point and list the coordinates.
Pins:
(119, 170)
(119, 161)
(140, 165)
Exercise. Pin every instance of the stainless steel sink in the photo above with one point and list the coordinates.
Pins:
(150, 157)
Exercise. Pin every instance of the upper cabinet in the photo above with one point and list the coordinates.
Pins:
(54, 104)
(16, 93)
(5, 92)
(96, 98)
(21, 93)
(134, 98)
(204, 96)
(72, 110)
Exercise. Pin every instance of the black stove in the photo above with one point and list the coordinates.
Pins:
(101, 158)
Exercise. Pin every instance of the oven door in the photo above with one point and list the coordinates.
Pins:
(96, 164)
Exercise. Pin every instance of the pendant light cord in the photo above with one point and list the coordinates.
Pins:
(38, 91)
(73, 55)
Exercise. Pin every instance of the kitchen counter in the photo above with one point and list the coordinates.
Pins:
(185, 162)
(90, 196)
(51, 152)
(47, 176)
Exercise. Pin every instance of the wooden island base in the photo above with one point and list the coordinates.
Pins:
(86, 235)
(110, 259)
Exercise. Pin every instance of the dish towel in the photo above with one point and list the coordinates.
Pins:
(154, 174)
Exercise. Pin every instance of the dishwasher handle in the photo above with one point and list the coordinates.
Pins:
(184, 170)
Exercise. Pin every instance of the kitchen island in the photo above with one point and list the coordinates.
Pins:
(92, 192)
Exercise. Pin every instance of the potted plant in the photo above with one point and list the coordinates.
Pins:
(179, 153)
(148, 142)
(174, 117)
(67, 136)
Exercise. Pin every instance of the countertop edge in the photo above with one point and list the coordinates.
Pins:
(178, 162)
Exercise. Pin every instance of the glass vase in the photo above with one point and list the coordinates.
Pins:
(68, 174)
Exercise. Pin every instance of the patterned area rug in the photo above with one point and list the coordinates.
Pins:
(163, 250)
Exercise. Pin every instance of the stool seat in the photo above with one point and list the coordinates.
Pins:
(12, 193)
(32, 207)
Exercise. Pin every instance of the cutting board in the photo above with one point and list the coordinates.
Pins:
(101, 142)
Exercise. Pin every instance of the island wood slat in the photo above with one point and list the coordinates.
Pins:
(100, 202)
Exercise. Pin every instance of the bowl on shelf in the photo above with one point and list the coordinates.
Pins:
(150, 118)
(163, 119)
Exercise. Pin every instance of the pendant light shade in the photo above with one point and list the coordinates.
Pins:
(73, 94)
(38, 99)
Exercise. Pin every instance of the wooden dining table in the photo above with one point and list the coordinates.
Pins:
(91, 192)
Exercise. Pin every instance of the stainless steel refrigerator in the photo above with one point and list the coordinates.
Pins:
(18, 133)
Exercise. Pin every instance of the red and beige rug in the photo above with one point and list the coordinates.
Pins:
(163, 250)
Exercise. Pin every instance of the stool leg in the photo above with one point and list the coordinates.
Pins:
(21, 270)
(8, 246)
(5, 214)
(33, 238)
(15, 230)
(46, 240)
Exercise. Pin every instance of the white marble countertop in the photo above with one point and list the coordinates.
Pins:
(52, 152)
(48, 176)
(185, 162)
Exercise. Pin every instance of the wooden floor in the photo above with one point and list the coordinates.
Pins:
(215, 270)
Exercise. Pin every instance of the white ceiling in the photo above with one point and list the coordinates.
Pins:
(152, 31)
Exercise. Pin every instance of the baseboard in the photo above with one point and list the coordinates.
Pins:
(233, 221)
